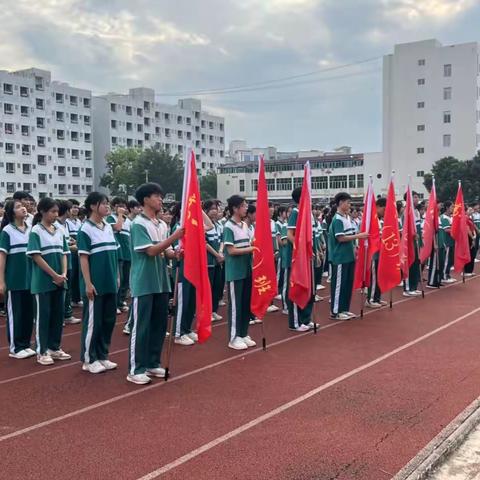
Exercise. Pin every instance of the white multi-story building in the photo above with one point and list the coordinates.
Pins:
(45, 136)
(136, 120)
(431, 107)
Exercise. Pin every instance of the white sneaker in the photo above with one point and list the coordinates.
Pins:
(432, 287)
(418, 292)
(285, 312)
(350, 314)
(383, 303)
(238, 344)
(340, 316)
(59, 354)
(108, 364)
(318, 298)
(249, 342)
(258, 320)
(184, 340)
(31, 351)
(193, 336)
(222, 303)
(468, 274)
(321, 287)
(407, 294)
(45, 359)
(313, 325)
(251, 322)
(118, 311)
(325, 274)
(124, 308)
(216, 317)
(272, 308)
(415, 293)
(72, 321)
(95, 367)
(329, 280)
(476, 260)
(126, 329)
(77, 304)
(156, 372)
(139, 379)
(302, 328)
(372, 304)
(21, 354)
(278, 297)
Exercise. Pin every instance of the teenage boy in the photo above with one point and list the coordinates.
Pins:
(74, 223)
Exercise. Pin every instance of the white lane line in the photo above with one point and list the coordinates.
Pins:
(180, 377)
(282, 408)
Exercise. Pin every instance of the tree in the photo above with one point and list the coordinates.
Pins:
(208, 186)
(127, 168)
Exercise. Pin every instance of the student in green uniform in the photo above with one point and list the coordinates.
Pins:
(64, 207)
(276, 248)
(341, 239)
(122, 236)
(410, 286)
(299, 320)
(15, 275)
(74, 223)
(47, 246)
(98, 249)
(238, 273)
(448, 243)
(149, 285)
(318, 249)
(215, 257)
(281, 228)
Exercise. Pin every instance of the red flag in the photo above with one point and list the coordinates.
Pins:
(369, 246)
(459, 232)
(430, 228)
(301, 289)
(407, 242)
(264, 277)
(195, 250)
(389, 261)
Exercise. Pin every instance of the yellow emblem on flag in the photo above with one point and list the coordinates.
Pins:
(262, 284)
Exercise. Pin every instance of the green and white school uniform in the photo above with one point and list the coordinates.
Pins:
(296, 315)
(150, 287)
(411, 284)
(213, 238)
(280, 264)
(49, 297)
(447, 246)
(68, 297)
(99, 315)
(74, 225)
(238, 275)
(19, 300)
(342, 258)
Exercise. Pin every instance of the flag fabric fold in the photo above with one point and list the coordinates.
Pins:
(459, 232)
(389, 274)
(369, 246)
(407, 242)
(430, 227)
(264, 277)
(301, 281)
(195, 250)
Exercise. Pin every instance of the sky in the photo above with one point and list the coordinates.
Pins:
(196, 46)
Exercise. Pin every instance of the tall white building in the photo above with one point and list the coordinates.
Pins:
(431, 107)
(45, 136)
(136, 120)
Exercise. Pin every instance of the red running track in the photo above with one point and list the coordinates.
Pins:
(356, 401)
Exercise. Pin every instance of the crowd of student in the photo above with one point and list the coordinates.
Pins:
(109, 257)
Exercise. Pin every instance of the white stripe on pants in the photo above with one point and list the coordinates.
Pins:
(178, 323)
(10, 322)
(133, 336)
(338, 286)
(233, 331)
(88, 336)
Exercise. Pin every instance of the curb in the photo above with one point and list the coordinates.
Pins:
(445, 443)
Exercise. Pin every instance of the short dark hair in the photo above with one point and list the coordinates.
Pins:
(74, 201)
(413, 194)
(251, 209)
(297, 194)
(234, 202)
(447, 204)
(147, 190)
(341, 197)
(209, 204)
(63, 206)
(94, 198)
(132, 204)
(20, 195)
(381, 202)
(118, 201)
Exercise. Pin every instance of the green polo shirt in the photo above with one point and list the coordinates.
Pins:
(13, 242)
(213, 238)
(148, 275)
(99, 244)
(66, 232)
(122, 237)
(237, 267)
(445, 238)
(52, 247)
(340, 252)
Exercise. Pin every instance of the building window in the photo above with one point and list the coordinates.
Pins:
(255, 185)
(10, 187)
(270, 184)
(26, 169)
(319, 183)
(8, 89)
(447, 70)
(9, 128)
(284, 184)
(26, 150)
(27, 187)
(73, 100)
(61, 152)
(338, 181)
(25, 131)
(421, 62)
(9, 148)
(360, 180)
(421, 81)
(447, 140)
(42, 178)
(420, 128)
(420, 104)
(60, 116)
(59, 97)
(420, 150)
(88, 172)
(139, 112)
(113, 107)
(447, 93)
(86, 103)
(351, 181)
(75, 154)
(88, 137)
(24, 91)
(24, 111)
(86, 119)
(62, 189)
(8, 109)
(61, 171)
(75, 171)
(42, 159)
(74, 136)
(40, 103)
(60, 134)
(242, 185)
(40, 122)
(447, 117)
(73, 118)
(420, 173)
(10, 167)
(41, 141)
(88, 188)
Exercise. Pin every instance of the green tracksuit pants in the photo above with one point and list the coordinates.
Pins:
(19, 305)
(185, 307)
(216, 285)
(297, 316)
(239, 294)
(49, 319)
(341, 287)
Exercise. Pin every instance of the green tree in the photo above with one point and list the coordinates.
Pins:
(127, 168)
(208, 186)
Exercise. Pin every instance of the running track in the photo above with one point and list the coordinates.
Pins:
(356, 401)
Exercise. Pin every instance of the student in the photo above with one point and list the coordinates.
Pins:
(122, 235)
(472, 239)
(342, 257)
(15, 273)
(24, 197)
(98, 251)
(149, 285)
(74, 223)
(281, 226)
(215, 257)
(64, 207)
(238, 273)
(299, 320)
(276, 252)
(48, 249)
(448, 243)
(410, 285)
(318, 249)
(374, 295)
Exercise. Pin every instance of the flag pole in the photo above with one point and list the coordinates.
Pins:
(171, 322)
